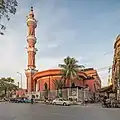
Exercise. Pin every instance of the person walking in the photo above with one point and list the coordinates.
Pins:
(32, 99)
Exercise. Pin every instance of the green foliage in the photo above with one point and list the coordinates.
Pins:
(59, 84)
(70, 69)
(7, 7)
(7, 85)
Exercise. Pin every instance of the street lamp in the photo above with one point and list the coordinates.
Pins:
(21, 77)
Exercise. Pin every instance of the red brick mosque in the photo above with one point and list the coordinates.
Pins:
(36, 79)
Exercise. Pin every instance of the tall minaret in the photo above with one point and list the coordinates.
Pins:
(31, 50)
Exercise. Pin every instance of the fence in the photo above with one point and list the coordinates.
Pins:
(74, 93)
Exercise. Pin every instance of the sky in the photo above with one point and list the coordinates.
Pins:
(84, 29)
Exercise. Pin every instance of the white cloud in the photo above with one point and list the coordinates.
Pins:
(55, 44)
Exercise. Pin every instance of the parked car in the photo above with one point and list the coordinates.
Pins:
(26, 100)
(60, 101)
(20, 100)
(13, 100)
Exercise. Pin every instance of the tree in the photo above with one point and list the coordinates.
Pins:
(45, 86)
(46, 90)
(7, 85)
(7, 7)
(59, 84)
(70, 70)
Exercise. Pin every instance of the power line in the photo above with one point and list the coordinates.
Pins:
(93, 58)
(100, 69)
(110, 52)
(104, 68)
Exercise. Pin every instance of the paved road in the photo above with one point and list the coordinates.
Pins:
(11, 111)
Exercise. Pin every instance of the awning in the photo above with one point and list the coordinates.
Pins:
(107, 89)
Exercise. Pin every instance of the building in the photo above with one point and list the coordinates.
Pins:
(114, 83)
(89, 76)
(36, 80)
(116, 66)
(95, 82)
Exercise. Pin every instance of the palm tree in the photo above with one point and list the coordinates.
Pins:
(59, 84)
(46, 90)
(70, 70)
(45, 86)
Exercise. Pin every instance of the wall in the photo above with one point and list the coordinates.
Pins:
(48, 79)
(52, 86)
(90, 83)
(49, 76)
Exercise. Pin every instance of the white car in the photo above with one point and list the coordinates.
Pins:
(60, 101)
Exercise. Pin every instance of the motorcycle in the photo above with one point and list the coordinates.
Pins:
(106, 104)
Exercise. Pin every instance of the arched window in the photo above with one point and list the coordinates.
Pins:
(45, 86)
(73, 84)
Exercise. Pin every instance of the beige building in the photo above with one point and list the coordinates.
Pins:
(116, 66)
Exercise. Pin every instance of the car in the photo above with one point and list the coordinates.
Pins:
(26, 100)
(20, 100)
(61, 101)
(13, 100)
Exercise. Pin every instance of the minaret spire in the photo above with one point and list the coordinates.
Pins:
(31, 14)
(31, 8)
(31, 50)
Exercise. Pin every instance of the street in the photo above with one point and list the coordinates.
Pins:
(11, 111)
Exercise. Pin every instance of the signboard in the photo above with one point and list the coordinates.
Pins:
(74, 92)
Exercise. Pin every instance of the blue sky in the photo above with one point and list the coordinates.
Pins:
(84, 29)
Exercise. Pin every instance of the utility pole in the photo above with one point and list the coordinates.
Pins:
(109, 80)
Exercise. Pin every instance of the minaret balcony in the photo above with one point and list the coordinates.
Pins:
(30, 70)
(32, 49)
(31, 21)
(31, 38)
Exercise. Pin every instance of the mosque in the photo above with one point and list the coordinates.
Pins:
(37, 79)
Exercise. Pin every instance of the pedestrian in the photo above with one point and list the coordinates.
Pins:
(85, 101)
(31, 100)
